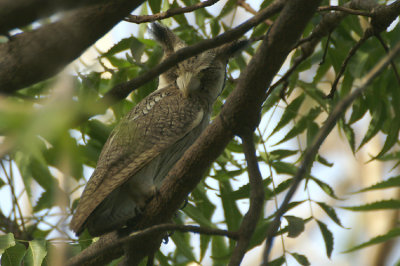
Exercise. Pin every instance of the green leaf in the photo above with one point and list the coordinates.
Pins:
(290, 113)
(233, 217)
(2, 183)
(277, 155)
(349, 133)
(13, 256)
(312, 131)
(155, 6)
(290, 206)
(393, 233)
(122, 45)
(378, 117)
(379, 205)
(219, 251)
(284, 168)
(302, 124)
(277, 262)
(183, 245)
(392, 137)
(272, 99)
(6, 241)
(301, 259)
(323, 161)
(137, 49)
(325, 187)
(259, 234)
(197, 215)
(295, 226)
(390, 183)
(36, 252)
(328, 238)
(330, 211)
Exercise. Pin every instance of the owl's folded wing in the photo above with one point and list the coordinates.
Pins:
(153, 125)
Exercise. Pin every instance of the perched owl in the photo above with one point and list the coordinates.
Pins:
(151, 138)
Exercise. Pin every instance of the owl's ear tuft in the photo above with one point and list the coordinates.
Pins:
(168, 40)
(232, 49)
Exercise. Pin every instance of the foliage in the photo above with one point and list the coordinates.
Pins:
(49, 148)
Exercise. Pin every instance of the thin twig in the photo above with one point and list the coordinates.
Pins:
(384, 45)
(14, 196)
(169, 13)
(345, 10)
(311, 152)
(252, 216)
(248, 8)
(353, 50)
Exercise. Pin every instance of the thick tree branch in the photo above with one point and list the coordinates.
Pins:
(312, 151)
(169, 13)
(33, 56)
(142, 235)
(14, 14)
(244, 102)
(252, 217)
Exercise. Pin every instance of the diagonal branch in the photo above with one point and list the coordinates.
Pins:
(169, 13)
(15, 14)
(312, 151)
(142, 235)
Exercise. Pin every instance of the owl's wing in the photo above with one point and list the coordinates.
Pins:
(156, 123)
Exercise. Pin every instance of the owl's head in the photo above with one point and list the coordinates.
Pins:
(204, 74)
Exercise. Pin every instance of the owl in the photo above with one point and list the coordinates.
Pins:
(152, 137)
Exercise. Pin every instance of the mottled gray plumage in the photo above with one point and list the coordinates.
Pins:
(151, 138)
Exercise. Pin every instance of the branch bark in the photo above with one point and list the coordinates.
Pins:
(169, 13)
(33, 56)
(15, 14)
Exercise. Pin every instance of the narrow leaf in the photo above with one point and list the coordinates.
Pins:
(277, 262)
(392, 182)
(291, 112)
(395, 232)
(325, 187)
(301, 259)
(379, 205)
(328, 238)
(331, 212)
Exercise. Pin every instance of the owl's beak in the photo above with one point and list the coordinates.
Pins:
(187, 83)
(183, 82)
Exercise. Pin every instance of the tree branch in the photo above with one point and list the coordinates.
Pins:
(345, 10)
(33, 56)
(252, 216)
(312, 151)
(169, 13)
(142, 235)
(15, 14)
